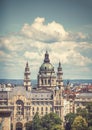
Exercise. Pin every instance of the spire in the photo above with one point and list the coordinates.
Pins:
(27, 64)
(46, 59)
(59, 66)
(27, 67)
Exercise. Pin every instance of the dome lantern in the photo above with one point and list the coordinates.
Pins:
(46, 59)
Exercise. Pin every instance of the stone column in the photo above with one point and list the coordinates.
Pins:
(5, 119)
(14, 126)
(6, 125)
(24, 128)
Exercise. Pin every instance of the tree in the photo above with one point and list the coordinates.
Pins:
(89, 114)
(36, 123)
(82, 112)
(70, 117)
(79, 123)
(56, 127)
(90, 128)
(28, 125)
(67, 126)
(51, 122)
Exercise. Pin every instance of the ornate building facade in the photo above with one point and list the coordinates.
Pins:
(24, 102)
(19, 104)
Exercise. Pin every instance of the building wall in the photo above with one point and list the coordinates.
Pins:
(45, 99)
(82, 101)
(5, 123)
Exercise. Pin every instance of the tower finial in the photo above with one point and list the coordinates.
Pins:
(46, 59)
(27, 64)
(46, 51)
(59, 64)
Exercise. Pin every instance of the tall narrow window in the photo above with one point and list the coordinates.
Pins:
(41, 108)
(42, 81)
(33, 108)
(46, 108)
(20, 107)
(48, 81)
(45, 81)
(37, 108)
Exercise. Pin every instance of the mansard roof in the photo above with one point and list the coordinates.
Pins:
(42, 90)
(41, 94)
(20, 90)
(84, 95)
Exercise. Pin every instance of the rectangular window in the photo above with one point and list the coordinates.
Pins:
(46, 109)
(41, 108)
(51, 109)
(33, 108)
(41, 113)
(33, 113)
(37, 108)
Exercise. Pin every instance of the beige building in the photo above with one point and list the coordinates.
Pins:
(24, 102)
(19, 104)
(82, 99)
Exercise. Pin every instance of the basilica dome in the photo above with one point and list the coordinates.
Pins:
(46, 67)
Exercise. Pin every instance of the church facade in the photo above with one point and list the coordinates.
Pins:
(23, 101)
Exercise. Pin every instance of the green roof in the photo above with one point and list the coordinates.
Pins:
(47, 67)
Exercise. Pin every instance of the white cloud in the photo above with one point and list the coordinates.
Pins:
(4, 56)
(39, 20)
(77, 59)
(85, 45)
(32, 55)
(79, 36)
(52, 32)
(33, 40)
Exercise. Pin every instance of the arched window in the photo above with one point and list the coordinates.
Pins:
(19, 126)
(48, 81)
(37, 108)
(42, 81)
(45, 81)
(20, 107)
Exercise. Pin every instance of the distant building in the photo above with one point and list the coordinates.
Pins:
(82, 99)
(22, 102)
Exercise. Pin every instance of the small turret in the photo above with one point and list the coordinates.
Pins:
(27, 82)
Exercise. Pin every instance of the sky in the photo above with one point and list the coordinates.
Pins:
(30, 27)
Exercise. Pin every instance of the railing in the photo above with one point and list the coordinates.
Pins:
(82, 100)
(5, 109)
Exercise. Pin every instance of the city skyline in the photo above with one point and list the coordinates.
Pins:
(29, 28)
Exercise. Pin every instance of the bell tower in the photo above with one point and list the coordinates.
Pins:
(27, 82)
(59, 76)
(58, 102)
(58, 94)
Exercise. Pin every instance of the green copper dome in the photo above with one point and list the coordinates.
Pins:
(47, 67)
